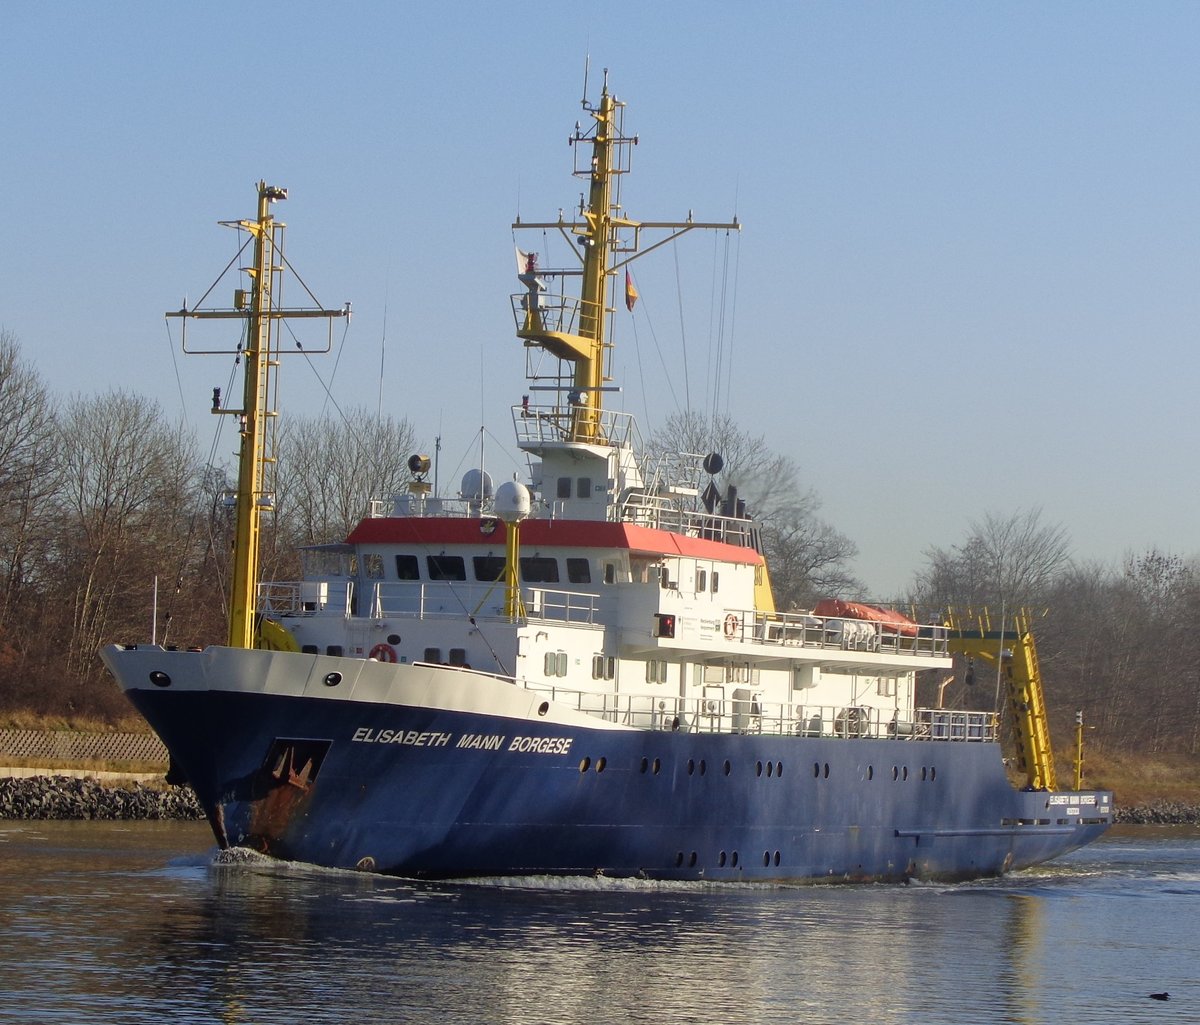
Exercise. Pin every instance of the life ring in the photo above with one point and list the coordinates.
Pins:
(731, 625)
(383, 653)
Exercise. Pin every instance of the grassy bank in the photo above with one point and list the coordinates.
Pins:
(1139, 779)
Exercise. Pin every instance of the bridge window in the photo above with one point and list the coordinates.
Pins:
(488, 567)
(556, 663)
(446, 567)
(701, 580)
(584, 487)
(373, 566)
(564, 487)
(579, 571)
(407, 568)
(610, 572)
(539, 570)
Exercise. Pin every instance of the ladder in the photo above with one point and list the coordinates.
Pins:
(1009, 644)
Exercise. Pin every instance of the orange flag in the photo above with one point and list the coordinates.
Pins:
(631, 294)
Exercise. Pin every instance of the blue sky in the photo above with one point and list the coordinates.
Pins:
(968, 281)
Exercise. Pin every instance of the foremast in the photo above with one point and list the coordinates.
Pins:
(576, 331)
(259, 352)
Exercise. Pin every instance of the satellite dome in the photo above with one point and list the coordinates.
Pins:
(513, 501)
(476, 486)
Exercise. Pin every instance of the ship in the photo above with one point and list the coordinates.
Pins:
(584, 672)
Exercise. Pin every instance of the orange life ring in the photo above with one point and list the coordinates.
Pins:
(731, 625)
(383, 653)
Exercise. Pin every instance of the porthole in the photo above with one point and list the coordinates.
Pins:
(728, 767)
(692, 860)
(758, 768)
(679, 860)
(543, 708)
(825, 770)
(585, 764)
(766, 859)
(332, 679)
(870, 772)
(816, 770)
(645, 765)
(770, 770)
(657, 766)
(932, 773)
(721, 859)
(601, 763)
(779, 768)
(733, 861)
(895, 772)
(703, 766)
(393, 639)
(691, 766)
(160, 679)
(904, 773)
(924, 773)
(776, 859)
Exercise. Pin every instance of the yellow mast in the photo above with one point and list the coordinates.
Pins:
(578, 336)
(257, 306)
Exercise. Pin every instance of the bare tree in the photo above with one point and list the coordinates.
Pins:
(28, 478)
(127, 492)
(329, 469)
(1008, 561)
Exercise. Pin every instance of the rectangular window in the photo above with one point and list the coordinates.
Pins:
(556, 663)
(716, 580)
(407, 568)
(610, 572)
(564, 487)
(656, 671)
(701, 580)
(488, 567)
(373, 566)
(604, 667)
(579, 571)
(539, 570)
(446, 567)
(583, 487)
(458, 656)
(433, 655)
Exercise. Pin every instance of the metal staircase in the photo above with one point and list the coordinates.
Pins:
(1009, 644)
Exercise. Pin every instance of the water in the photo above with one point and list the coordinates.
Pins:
(141, 922)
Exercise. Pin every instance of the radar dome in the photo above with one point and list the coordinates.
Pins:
(513, 501)
(476, 485)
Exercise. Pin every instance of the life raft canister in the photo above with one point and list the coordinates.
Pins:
(383, 653)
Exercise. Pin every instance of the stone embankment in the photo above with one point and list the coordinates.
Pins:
(62, 797)
(1160, 813)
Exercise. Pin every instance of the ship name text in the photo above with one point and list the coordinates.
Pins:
(467, 741)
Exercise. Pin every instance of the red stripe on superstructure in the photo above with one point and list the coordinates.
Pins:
(407, 530)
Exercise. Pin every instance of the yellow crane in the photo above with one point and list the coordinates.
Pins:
(1008, 643)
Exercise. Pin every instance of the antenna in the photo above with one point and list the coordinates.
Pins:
(587, 63)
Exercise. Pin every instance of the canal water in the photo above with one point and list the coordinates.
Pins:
(143, 922)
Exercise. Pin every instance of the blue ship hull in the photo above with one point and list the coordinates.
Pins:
(434, 793)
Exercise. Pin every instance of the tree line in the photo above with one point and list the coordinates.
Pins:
(103, 497)
(113, 529)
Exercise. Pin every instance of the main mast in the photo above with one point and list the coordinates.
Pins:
(260, 354)
(575, 330)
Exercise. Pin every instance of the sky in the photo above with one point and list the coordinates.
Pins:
(967, 283)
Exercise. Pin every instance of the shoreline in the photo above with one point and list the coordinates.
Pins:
(43, 794)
